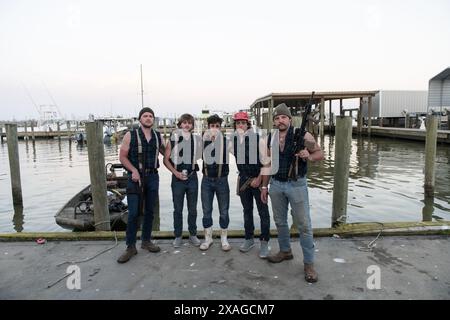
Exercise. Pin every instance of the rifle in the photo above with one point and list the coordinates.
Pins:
(141, 160)
(299, 138)
(245, 185)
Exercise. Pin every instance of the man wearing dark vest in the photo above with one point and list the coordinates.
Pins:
(139, 155)
(182, 152)
(288, 185)
(247, 147)
(215, 181)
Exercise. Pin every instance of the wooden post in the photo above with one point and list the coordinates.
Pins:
(18, 218)
(156, 217)
(165, 128)
(322, 117)
(430, 154)
(259, 110)
(69, 133)
(428, 208)
(330, 118)
(58, 128)
(1, 134)
(369, 121)
(96, 156)
(25, 137)
(270, 115)
(33, 136)
(360, 117)
(341, 108)
(14, 167)
(341, 169)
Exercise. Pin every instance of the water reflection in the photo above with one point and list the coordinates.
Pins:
(385, 183)
(34, 151)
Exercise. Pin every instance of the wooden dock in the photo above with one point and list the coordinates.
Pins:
(42, 134)
(443, 136)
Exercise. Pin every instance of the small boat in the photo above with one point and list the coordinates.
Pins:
(78, 213)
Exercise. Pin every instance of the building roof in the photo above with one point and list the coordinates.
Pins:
(327, 95)
(444, 75)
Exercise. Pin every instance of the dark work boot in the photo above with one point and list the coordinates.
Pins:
(280, 256)
(128, 254)
(150, 246)
(310, 273)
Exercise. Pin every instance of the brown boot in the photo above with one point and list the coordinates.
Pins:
(280, 256)
(310, 274)
(150, 246)
(129, 252)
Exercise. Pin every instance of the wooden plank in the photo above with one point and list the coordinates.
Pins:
(345, 230)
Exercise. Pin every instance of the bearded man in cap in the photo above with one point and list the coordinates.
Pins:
(139, 155)
(288, 185)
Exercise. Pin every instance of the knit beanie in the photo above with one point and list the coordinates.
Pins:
(281, 109)
(144, 110)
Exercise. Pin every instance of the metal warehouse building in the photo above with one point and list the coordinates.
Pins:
(394, 107)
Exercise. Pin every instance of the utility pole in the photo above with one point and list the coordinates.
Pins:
(142, 89)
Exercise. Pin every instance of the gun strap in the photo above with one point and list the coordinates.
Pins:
(140, 153)
(221, 145)
(194, 156)
(157, 148)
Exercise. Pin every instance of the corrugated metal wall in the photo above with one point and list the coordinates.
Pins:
(439, 93)
(391, 103)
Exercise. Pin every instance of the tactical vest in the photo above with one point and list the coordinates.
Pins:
(149, 151)
(287, 157)
(247, 169)
(215, 170)
(192, 164)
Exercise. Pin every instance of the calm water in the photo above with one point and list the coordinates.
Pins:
(386, 184)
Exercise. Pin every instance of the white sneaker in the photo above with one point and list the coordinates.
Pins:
(208, 239)
(223, 238)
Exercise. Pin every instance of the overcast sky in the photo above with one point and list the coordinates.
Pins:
(224, 55)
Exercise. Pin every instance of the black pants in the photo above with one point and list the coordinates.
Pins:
(247, 202)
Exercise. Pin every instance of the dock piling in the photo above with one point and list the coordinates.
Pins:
(33, 136)
(26, 131)
(430, 154)
(322, 118)
(14, 166)
(341, 169)
(96, 156)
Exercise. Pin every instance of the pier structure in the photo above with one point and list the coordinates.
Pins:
(263, 107)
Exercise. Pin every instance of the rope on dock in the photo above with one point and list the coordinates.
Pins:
(372, 243)
(103, 251)
(60, 279)
(95, 256)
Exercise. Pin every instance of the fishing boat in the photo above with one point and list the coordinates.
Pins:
(78, 213)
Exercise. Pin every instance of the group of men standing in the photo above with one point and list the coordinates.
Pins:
(268, 165)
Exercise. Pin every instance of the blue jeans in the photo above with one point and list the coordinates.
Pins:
(294, 193)
(180, 188)
(133, 196)
(247, 203)
(218, 186)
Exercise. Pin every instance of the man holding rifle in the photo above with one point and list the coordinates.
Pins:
(288, 185)
(139, 155)
(247, 144)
